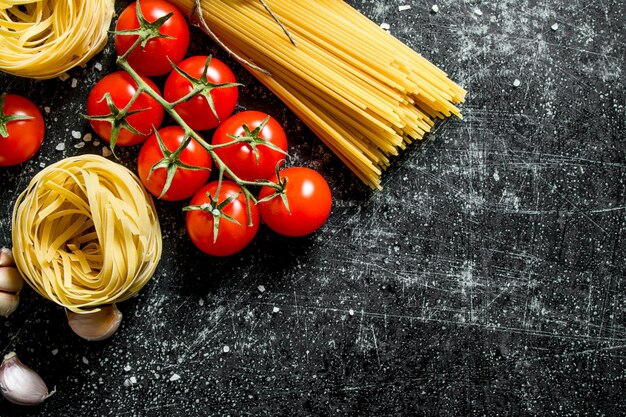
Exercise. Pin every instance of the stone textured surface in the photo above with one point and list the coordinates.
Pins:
(486, 279)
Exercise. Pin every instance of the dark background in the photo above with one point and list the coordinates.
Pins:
(487, 278)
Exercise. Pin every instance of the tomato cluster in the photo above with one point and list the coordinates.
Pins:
(175, 162)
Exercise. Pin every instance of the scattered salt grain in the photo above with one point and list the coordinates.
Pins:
(133, 380)
(478, 12)
(435, 8)
(226, 349)
(76, 135)
(98, 66)
(74, 82)
(404, 7)
(385, 26)
(554, 26)
(351, 312)
(174, 377)
(54, 352)
(106, 151)
(60, 147)
(261, 288)
(79, 145)
(47, 109)
(275, 310)
(87, 137)
(42, 165)
(127, 368)
(85, 361)
(517, 83)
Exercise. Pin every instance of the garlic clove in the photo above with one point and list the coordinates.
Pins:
(6, 257)
(21, 385)
(8, 303)
(10, 279)
(95, 326)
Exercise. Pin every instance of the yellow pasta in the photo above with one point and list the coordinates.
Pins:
(362, 91)
(45, 38)
(86, 233)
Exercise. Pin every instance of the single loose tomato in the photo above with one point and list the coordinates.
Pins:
(21, 129)
(223, 214)
(154, 57)
(308, 202)
(218, 85)
(110, 95)
(264, 147)
(184, 172)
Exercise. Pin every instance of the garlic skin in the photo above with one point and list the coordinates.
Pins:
(10, 279)
(6, 257)
(95, 326)
(21, 385)
(8, 303)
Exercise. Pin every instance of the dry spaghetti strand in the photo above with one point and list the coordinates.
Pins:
(362, 91)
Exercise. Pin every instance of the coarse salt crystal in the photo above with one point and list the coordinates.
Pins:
(133, 380)
(46, 109)
(74, 82)
(127, 368)
(404, 7)
(517, 83)
(478, 12)
(385, 26)
(261, 288)
(351, 312)
(435, 8)
(76, 135)
(60, 147)
(226, 349)
(42, 164)
(79, 145)
(275, 310)
(85, 361)
(55, 351)
(174, 377)
(554, 26)
(98, 66)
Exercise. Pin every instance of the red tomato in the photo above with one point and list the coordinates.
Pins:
(185, 182)
(21, 129)
(309, 199)
(231, 237)
(121, 87)
(152, 59)
(197, 112)
(240, 157)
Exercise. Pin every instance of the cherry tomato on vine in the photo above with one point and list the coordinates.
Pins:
(152, 58)
(111, 94)
(21, 129)
(218, 83)
(254, 160)
(308, 197)
(184, 181)
(228, 209)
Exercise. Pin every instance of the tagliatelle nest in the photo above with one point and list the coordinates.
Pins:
(86, 233)
(43, 39)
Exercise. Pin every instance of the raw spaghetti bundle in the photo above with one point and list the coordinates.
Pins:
(44, 38)
(86, 233)
(362, 91)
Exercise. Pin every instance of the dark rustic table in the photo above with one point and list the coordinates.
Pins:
(486, 279)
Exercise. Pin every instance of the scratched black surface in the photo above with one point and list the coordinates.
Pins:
(486, 279)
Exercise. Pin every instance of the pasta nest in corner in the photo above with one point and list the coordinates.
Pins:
(45, 38)
(86, 233)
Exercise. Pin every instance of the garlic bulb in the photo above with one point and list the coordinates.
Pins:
(10, 279)
(20, 384)
(6, 257)
(95, 326)
(8, 303)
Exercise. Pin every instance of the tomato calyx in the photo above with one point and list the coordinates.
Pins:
(146, 30)
(216, 209)
(280, 185)
(5, 119)
(171, 162)
(202, 86)
(253, 139)
(118, 117)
